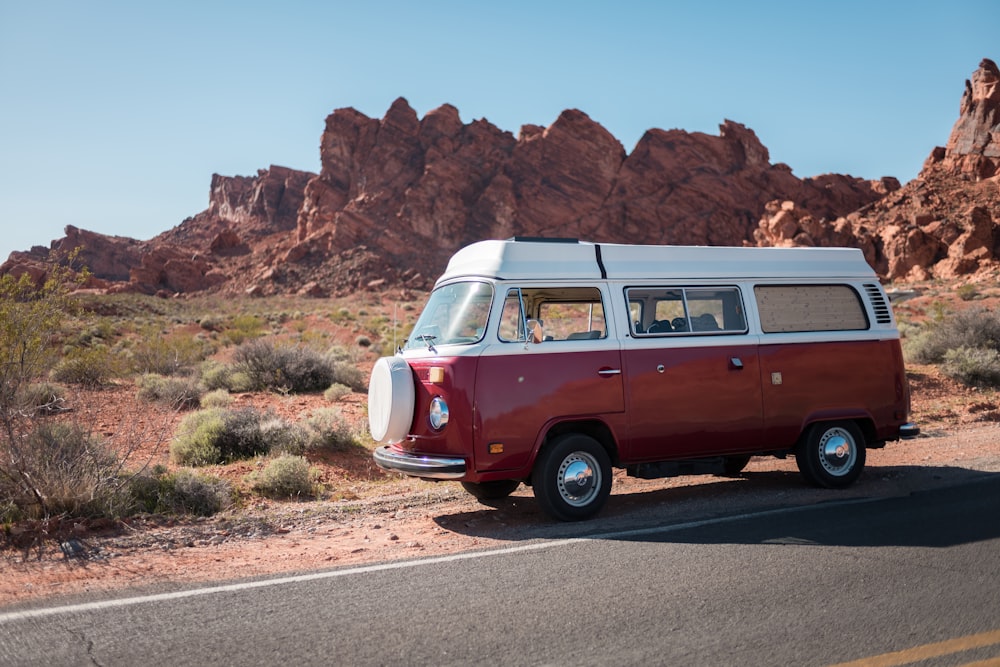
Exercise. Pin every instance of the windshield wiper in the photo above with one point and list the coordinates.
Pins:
(429, 339)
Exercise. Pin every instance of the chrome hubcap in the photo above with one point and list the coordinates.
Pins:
(579, 479)
(837, 452)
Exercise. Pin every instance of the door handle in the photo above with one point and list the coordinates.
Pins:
(609, 371)
(736, 363)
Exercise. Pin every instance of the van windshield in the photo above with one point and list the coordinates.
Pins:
(455, 314)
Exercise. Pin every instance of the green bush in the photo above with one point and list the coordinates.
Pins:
(967, 292)
(87, 366)
(272, 367)
(243, 328)
(196, 442)
(328, 430)
(219, 398)
(978, 367)
(219, 435)
(182, 393)
(972, 328)
(167, 355)
(215, 375)
(284, 437)
(284, 477)
(182, 492)
(348, 374)
(336, 391)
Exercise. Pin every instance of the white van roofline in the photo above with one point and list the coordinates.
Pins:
(569, 259)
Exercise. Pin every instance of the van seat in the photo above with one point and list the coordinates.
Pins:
(659, 326)
(583, 335)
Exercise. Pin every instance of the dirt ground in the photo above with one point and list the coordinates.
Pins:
(373, 516)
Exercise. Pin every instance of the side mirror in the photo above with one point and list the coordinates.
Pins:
(534, 328)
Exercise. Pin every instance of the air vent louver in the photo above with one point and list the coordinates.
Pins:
(879, 304)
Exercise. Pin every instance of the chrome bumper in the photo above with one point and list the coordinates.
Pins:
(415, 465)
(909, 430)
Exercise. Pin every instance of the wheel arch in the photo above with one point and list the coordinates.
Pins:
(595, 428)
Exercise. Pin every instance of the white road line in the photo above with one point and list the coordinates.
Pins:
(395, 565)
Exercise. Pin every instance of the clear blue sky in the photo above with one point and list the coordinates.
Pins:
(114, 115)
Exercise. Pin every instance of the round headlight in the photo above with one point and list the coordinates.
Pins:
(438, 413)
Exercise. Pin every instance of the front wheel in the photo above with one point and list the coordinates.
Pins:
(572, 478)
(832, 454)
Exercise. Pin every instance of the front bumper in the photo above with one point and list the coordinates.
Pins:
(909, 430)
(416, 465)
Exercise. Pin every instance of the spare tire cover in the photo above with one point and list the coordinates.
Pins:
(390, 400)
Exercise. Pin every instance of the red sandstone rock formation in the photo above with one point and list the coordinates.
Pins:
(396, 196)
(973, 148)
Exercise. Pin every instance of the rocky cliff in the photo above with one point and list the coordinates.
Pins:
(396, 196)
(943, 224)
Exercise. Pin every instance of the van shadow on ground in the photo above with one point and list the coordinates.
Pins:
(889, 506)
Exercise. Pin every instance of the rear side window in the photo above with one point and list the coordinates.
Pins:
(796, 308)
(685, 310)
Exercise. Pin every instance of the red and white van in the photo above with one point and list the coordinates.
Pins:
(548, 362)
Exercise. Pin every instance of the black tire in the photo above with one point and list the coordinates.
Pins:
(832, 454)
(734, 465)
(572, 477)
(490, 492)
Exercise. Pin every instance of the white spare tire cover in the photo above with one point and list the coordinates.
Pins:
(390, 400)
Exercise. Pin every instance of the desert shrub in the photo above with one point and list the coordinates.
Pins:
(979, 367)
(167, 355)
(363, 341)
(42, 398)
(196, 442)
(183, 393)
(218, 398)
(215, 375)
(346, 373)
(336, 391)
(967, 292)
(219, 435)
(86, 366)
(284, 437)
(48, 469)
(273, 367)
(327, 429)
(181, 492)
(211, 323)
(243, 328)
(972, 328)
(61, 468)
(341, 316)
(284, 477)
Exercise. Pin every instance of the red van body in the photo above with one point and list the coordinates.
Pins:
(549, 363)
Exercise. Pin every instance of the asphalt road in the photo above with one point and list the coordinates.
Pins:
(915, 577)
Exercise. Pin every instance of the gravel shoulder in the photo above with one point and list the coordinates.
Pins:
(412, 519)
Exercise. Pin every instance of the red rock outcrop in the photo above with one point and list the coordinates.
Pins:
(412, 191)
(396, 196)
(946, 222)
(973, 149)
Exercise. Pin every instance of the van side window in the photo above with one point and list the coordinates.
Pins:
(565, 313)
(788, 308)
(686, 310)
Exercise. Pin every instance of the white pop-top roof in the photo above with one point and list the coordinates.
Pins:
(574, 260)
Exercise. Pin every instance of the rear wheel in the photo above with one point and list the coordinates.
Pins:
(832, 454)
(572, 478)
(489, 492)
